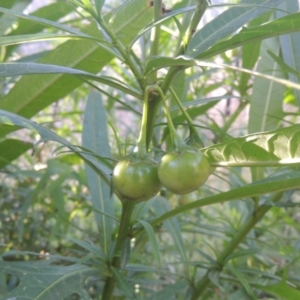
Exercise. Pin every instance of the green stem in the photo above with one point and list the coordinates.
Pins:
(173, 71)
(176, 139)
(200, 9)
(155, 35)
(236, 240)
(121, 48)
(193, 131)
(141, 146)
(127, 209)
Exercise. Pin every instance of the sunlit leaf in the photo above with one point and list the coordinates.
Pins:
(27, 38)
(15, 69)
(162, 62)
(43, 21)
(284, 25)
(227, 23)
(34, 93)
(274, 148)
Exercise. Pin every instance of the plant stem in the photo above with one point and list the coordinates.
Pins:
(155, 35)
(176, 139)
(236, 240)
(173, 71)
(200, 9)
(193, 131)
(141, 145)
(121, 48)
(127, 209)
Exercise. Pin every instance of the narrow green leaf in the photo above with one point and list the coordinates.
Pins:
(40, 282)
(281, 289)
(273, 148)
(254, 73)
(240, 294)
(36, 37)
(99, 4)
(284, 25)
(242, 280)
(10, 149)
(123, 285)
(95, 138)
(267, 96)
(173, 227)
(33, 93)
(43, 21)
(246, 252)
(15, 69)
(6, 22)
(227, 23)
(160, 62)
(163, 18)
(290, 44)
(170, 291)
(284, 66)
(153, 241)
(250, 54)
(90, 247)
(52, 12)
(273, 184)
(48, 135)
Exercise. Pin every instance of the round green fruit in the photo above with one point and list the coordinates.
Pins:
(183, 172)
(136, 179)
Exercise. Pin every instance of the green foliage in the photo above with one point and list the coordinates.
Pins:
(85, 83)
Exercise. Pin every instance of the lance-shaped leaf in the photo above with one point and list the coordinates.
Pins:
(33, 93)
(95, 138)
(273, 184)
(290, 44)
(284, 25)
(266, 97)
(40, 282)
(42, 21)
(162, 19)
(53, 12)
(101, 167)
(38, 37)
(156, 63)
(273, 148)
(15, 69)
(227, 23)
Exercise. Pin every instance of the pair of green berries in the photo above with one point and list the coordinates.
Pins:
(180, 172)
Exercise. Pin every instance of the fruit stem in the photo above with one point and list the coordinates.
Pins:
(193, 131)
(176, 139)
(127, 209)
(141, 149)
